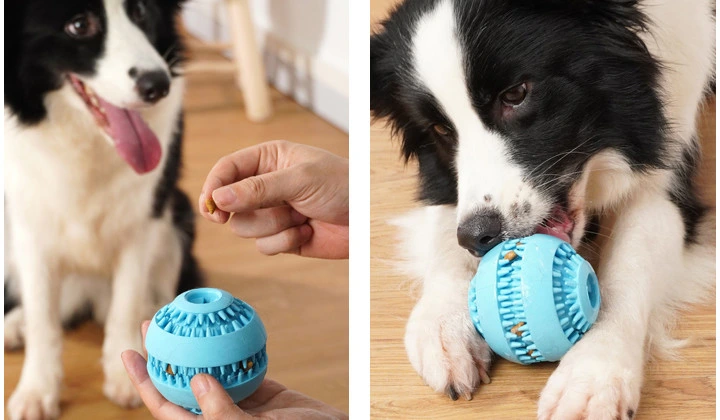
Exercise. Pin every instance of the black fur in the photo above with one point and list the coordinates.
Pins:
(10, 300)
(593, 86)
(685, 196)
(39, 54)
(171, 171)
(592, 229)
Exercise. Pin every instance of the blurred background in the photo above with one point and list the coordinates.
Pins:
(304, 47)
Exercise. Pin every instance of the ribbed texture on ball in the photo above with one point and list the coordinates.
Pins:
(525, 301)
(206, 331)
(188, 324)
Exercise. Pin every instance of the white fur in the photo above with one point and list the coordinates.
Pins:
(80, 227)
(641, 266)
(440, 340)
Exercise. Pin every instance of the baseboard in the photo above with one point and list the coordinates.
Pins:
(312, 83)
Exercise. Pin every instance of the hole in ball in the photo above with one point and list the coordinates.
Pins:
(593, 292)
(203, 296)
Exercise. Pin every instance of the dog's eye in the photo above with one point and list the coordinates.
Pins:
(441, 129)
(85, 25)
(139, 11)
(515, 95)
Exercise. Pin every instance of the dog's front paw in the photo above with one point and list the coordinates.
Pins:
(117, 387)
(446, 351)
(594, 381)
(39, 401)
(14, 329)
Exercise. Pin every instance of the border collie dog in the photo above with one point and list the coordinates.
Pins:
(94, 219)
(546, 116)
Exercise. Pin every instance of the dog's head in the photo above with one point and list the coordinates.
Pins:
(118, 55)
(505, 103)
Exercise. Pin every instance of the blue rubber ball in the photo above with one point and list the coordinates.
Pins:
(206, 331)
(533, 298)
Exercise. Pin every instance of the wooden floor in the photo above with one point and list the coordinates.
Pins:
(682, 389)
(303, 302)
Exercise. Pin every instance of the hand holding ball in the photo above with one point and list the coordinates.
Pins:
(206, 331)
(533, 298)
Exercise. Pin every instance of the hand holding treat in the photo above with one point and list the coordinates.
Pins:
(292, 198)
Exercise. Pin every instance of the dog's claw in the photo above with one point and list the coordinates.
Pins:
(468, 395)
(484, 377)
(452, 393)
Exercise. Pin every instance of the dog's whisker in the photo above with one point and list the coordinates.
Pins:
(170, 49)
(563, 155)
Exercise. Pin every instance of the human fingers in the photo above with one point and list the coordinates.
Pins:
(214, 401)
(265, 222)
(264, 191)
(161, 409)
(288, 241)
(258, 159)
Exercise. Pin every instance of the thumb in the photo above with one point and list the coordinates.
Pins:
(214, 401)
(261, 191)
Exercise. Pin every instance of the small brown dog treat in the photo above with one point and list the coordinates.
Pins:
(169, 370)
(530, 353)
(516, 329)
(210, 205)
(511, 255)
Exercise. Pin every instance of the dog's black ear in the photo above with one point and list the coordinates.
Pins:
(173, 3)
(173, 6)
(620, 12)
(25, 82)
(382, 75)
(14, 15)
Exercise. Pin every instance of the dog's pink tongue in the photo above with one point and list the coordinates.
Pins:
(134, 140)
(558, 225)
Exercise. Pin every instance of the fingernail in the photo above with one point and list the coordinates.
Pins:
(305, 230)
(224, 196)
(200, 385)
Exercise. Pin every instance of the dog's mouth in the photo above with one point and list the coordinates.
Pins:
(559, 224)
(133, 139)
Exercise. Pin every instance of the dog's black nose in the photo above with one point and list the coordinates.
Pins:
(153, 86)
(480, 232)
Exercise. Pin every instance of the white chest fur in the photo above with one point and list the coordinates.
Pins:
(70, 192)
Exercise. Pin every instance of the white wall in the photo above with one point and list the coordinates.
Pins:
(305, 46)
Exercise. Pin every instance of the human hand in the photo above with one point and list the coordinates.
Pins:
(270, 401)
(293, 198)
